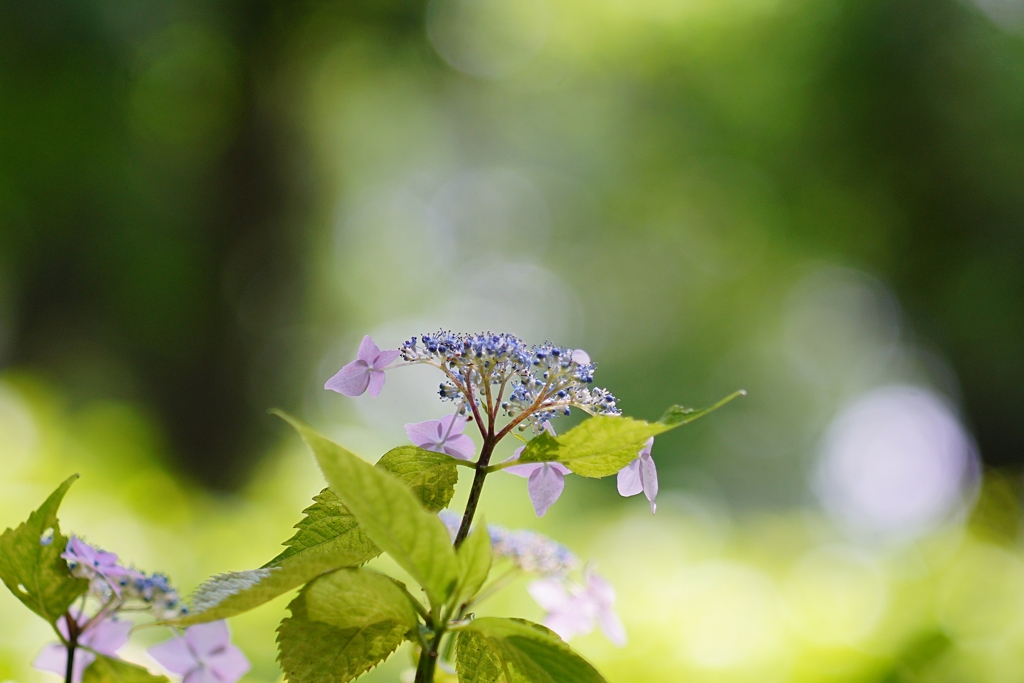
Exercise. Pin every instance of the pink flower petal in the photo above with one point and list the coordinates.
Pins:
(580, 357)
(385, 358)
(451, 425)
(368, 351)
(628, 479)
(107, 636)
(228, 665)
(550, 594)
(612, 627)
(460, 446)
(200, 675)
(205, 639)
(351, 380)
(545, 487)
(174, 655)
(649, 479)
(376, 382)
(424, 434)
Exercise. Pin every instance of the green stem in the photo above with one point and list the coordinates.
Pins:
(428, 659)
(477, 489)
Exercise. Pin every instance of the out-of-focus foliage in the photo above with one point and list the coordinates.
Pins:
(204, 206)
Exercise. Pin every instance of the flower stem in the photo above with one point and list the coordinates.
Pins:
(428, 659)
(478, 486)
(72, 644)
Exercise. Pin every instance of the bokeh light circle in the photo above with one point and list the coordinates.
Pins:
(487, 38)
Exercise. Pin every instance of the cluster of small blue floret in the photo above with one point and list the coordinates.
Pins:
(155, 591)
(544, 381)
(528, 550)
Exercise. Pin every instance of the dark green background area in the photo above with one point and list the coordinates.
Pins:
(159, 208)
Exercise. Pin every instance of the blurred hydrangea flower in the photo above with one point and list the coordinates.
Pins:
(88, 562)
(443, 436)
(204, 655)
(104, 636)
(528, 550)
(572, 608)
(547, 479)
(365, 372)
(641, 476)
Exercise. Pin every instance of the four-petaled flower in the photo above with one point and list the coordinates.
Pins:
(443, 436)
(641, 475)
(572, 609)
(365, 372)
(204, 655)
(103, 637)
(87, 562)
(547, 479)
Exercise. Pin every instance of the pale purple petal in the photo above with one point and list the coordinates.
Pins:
(568, 625)
(175, 656)
(107, 636)
(351, 380)
(200, 675)
(368, 351)
(424, 434)
(460, 446)
(545, 487)
(385, 358)
(600, 591)
(612, 626)
(376, 382)
(580, 357)
(649, 479)
(205, 639)
(53, 658)
(550, 594)
(228, 665)
(525, 470)
(452, 424)
(628, 479)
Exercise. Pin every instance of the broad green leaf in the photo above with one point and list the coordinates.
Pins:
(110, 670)
(390, 515)
(603, 445)
(342, 625)
(31, 565)
(474, 557)
(495, 650)
(327, 538)
(431, 476)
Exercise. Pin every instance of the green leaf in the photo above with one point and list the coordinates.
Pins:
(431, 476)
(603, 445)
(33, 569)
(327, 538)
(474, 557)
(342, 625)
(495, 650)
(110, 670)
(390, 515)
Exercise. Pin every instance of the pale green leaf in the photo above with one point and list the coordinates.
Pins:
(603, 445)
(495, 650)
(431, 476)
(390, 515)
(343, 624)
(31, 565)
(328, 537)
(474, 557)
(110, 670)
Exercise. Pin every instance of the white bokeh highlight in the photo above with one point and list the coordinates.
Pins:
(895, 464)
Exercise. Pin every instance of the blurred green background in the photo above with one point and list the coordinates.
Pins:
(205, 205)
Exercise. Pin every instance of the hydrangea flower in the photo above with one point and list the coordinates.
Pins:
(547, 479)
(443, 436)
(365, 372)
(105, 637)
(572, 608)
(640, 475)
(528, 550)
(204, 655)
(88, 562)
(487, 371)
